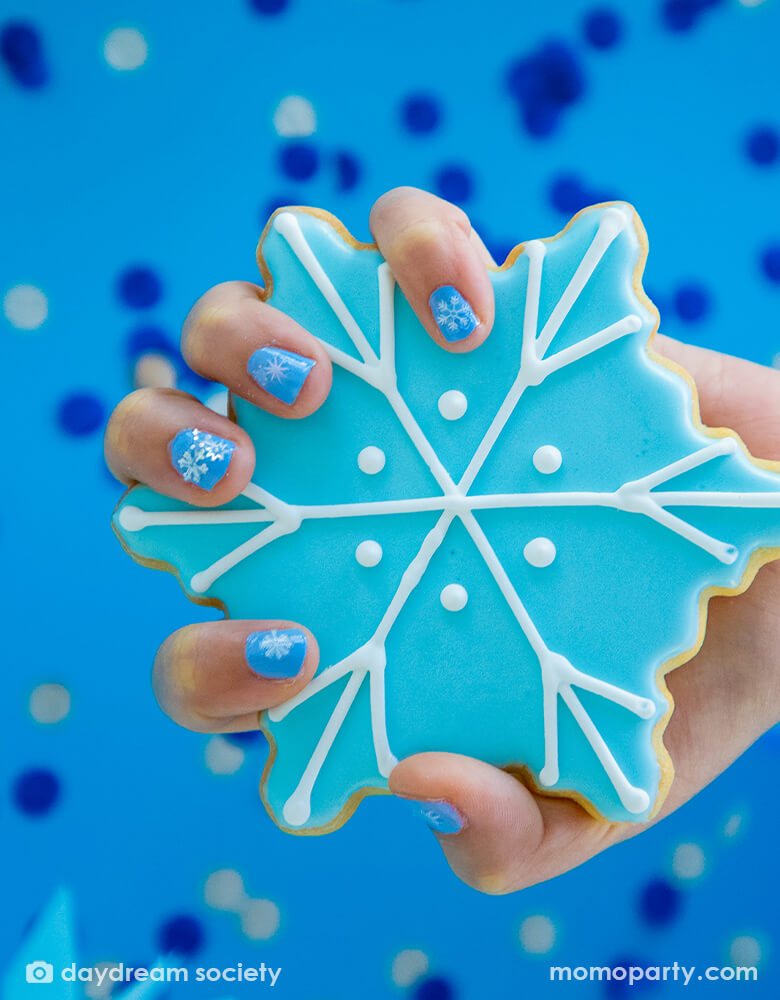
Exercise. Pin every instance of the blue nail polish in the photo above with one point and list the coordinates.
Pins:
(201, 458)
(277, 653)
(440, 816)
(282, 373)
(454, 316)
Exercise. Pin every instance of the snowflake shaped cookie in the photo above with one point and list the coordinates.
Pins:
(501, 553)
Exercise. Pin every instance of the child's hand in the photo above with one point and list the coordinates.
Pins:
(217, 676)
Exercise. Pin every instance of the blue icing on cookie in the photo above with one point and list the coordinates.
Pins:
(545, 519)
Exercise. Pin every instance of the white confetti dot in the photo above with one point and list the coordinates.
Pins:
(224, 890)
(409, 966)
(101, 988)
(547, 459)
(745, 950)
(688, 862)
(25, 307)
(218, 402)
(125, 48)
(371, 460)
(733, 825)
(154, 371)
(454, 597)
(752, 3)
(539, 552)
(295, 117)
(537, 934)
(222, 756)
(452, 404)
(49, 703)
(260, 919)
(368, 553)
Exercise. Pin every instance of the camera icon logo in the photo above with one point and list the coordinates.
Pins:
(40, 972)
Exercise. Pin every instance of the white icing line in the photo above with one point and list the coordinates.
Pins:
(386, 317)
(612, 222)
(201, 581)
(723, 446)
(627, 325)
(635, 800)
(297, 808)
(288, 226)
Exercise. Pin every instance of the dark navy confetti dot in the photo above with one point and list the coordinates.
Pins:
(420, 113)
(619, 986)
(682, 15)
(36, 791)
(763, 146)
(567, 194)
(602, 28)
(660, 902)
(252, 736)
(453, 183)
(268, 6)
(544, 83)
(435, 988)
(299, 161)
(347, 171)
(150, 338)
(182, 934)
(277, 201)
(139, 287)
(80, 413)
(22, 52)
(692, 303)
(770, 262)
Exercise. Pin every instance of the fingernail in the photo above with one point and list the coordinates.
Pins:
(454, 316)
(282, 373)
(440, 816)
(201, 458)
(276, 653)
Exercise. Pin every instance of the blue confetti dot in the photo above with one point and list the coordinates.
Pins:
(139, 287)
(268, 6)
(150, 338)
(763, 145)
(692, 303)
(660, 902)
(682, 15)
(182, 934)
(347, 171)
(299, 161)
(36, 791)
(770, 263)
(621, 987)
(454, 184)
(277, 201)
(567, 194)
(435, 988)
(602, 28)
(22, 52)
(420, 113)
(80, 413)
(540, 118)
(545, 82)
(249, 737)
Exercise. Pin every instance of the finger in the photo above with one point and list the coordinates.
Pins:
(215, 677)
(510, 838)
(233, 337)
(171, 442)
(440, 267)
(732, 393)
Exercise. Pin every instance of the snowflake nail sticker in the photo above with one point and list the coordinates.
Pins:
(201, 458)
(454, 316)
(577, 503)
(282, 373)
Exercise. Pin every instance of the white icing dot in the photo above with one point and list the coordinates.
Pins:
(371, 460)
(409, 966)
(537, 934)
(547, 459)
(745, 950)
(222, 756)
(452, 404)
(218, 402)
(49, 703)
(636, 800)
(125, 48)
(200, 583)
(131, 518)
(260, 919)
(454, 597)
(688, 862)
(368, 553)
(295, 117)
(25, 307)
(296, 811)
(539, 552)
(154, 371)
(224, 890)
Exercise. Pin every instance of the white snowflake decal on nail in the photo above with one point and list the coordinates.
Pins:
(276, 644)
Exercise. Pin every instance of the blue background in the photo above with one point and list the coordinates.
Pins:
(174, 167)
